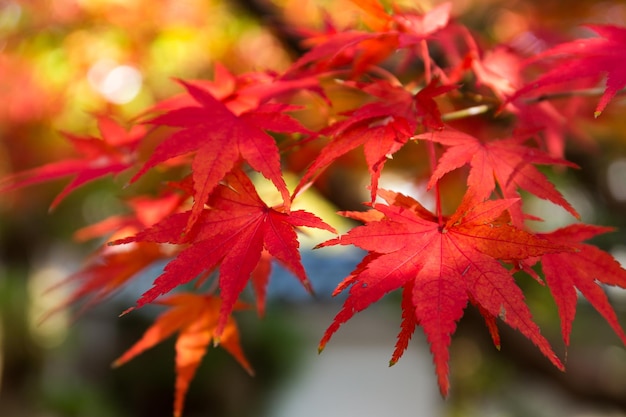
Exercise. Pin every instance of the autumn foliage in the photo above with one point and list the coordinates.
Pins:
(472, 116)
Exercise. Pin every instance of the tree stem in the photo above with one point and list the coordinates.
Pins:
(484, 108)
(432, 156)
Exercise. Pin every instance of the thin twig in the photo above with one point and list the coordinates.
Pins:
(467, 112)
(587, 92)
(484, 108)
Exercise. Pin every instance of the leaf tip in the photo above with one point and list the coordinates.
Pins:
(125, 312)
(308, 287)
(444, 387)
(559, 364)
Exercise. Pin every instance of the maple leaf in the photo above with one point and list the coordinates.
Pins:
(146, 211)
(340, 48)
(231, 235)
(109, 270)
(112, 154)
(507, 161)
(500, 69)
(584, 270)
(239, 93)
(361, 49)
(112, 267)
(194, 317)
(586, 58)
(220, 139)
(381, 127)
(260, 279)
(442, 267)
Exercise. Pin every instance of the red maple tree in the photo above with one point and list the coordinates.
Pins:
(414, 73)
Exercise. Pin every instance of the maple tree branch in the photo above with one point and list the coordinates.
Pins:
(586, 92)
(432, 157)
(467, 112)
(484, 108)
(386, 75)
(427, 62)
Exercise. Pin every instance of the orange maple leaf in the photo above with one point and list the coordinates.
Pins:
(195, 318)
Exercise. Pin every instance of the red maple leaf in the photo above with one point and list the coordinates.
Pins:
(500, 69)
(232, 234)
(111, 267)
(507, 161)
(361, 50)
(146, 211)
(585, 58)
(220, 139)
(239, 93)
(109, 270)
(381, 127)
(112, 154)
(441, 267)
(195, 318)
(584, 270)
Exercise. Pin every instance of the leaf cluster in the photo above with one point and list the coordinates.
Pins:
(213, 226)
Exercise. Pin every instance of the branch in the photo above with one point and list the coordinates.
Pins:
(484, 108)
(467, 112)
(587, 92)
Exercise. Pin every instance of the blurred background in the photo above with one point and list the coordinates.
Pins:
(61, 61)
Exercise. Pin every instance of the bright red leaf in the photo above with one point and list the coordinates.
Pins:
(585, 58)
(112, 267)
(112, 154)
(220, 139)
(441, 267)
(500, 69)
(382, 127)
(584, 270)
(239, 93)
(361, 50)
(195, 318)
(232, 235)
(507, 161)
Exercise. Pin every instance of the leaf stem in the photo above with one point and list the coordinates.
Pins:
(427, 62)
(587, 92)
(432, 156)
(484, 108)
(467, 112)
(386, 75)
